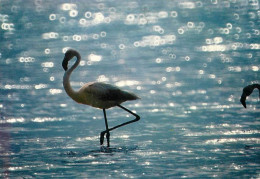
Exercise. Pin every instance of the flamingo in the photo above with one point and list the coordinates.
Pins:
(97, 94)
(247, 91)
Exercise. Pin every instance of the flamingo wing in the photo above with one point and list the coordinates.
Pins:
(107, 92)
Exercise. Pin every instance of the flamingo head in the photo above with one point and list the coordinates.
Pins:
(68, 56)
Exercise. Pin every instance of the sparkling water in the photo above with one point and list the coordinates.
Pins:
(187, 60)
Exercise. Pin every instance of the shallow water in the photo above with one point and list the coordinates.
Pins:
(187, 60)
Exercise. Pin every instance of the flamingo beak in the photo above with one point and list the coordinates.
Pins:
(65, 64)
(243, 100)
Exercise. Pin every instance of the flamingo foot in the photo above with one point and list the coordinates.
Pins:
(102, 134)
(108, 138)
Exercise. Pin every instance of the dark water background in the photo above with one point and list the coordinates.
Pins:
(187, 60)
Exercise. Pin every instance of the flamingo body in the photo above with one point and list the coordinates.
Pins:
(102, 95)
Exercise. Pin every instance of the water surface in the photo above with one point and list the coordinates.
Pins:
(187, 60)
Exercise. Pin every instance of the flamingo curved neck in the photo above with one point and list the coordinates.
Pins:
(256, 86)
(66, 81)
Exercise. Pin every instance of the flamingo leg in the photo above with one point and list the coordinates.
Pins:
(137, 118)
(106, 131)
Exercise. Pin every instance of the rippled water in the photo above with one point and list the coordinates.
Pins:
(187, 60)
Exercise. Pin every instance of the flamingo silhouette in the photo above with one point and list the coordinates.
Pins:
(247, 91)
(96, 94)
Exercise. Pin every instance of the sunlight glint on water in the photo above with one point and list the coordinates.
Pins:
(187, 60)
